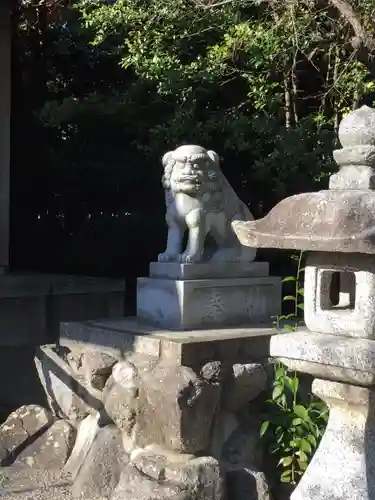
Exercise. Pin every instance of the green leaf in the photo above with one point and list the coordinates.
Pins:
(305, 446)
(301, 291)
(280, 372)
(295, 384)
(280, 438)
(292, 328)
(296, 421)
(288, 278)
(286, 476)
(289, 297)
(264, 427)
(312, 440)
(301, 412)
(290, 316)
(276, 393)
(301, 306)
(302, 455)
(285, 461)
(283, 400)
(302, 464)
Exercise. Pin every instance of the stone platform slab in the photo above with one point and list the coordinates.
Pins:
(208, 303)
(177, 271)
(332, 357)
(184, 348)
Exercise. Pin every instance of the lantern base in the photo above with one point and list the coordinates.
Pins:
(344, 464)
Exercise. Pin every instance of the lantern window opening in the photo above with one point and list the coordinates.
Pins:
(338, 290)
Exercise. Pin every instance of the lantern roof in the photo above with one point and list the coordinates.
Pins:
(340, 219)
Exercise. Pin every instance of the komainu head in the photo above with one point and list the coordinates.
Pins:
(191, 170)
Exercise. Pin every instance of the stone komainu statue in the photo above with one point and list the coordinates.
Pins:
(200, 199)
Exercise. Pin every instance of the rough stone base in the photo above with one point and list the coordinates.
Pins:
(207, 303)
(155, 473)
(188, 348)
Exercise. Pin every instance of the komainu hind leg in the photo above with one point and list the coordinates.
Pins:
(232, 254)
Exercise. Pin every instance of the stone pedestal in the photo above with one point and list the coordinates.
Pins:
(189, 296)
(180, 400)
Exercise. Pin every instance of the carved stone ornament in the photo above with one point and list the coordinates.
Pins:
(200, 200)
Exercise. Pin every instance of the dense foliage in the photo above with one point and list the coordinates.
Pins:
(112, 85)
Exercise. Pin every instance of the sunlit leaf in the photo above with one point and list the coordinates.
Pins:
(264, 427)
(288, 278)
(301, 412)
(276, 393)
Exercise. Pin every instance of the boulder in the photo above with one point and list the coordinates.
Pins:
(87, 431)
(93, 364)
(52, 449)
(225, 424)
(176, 409)
(69, 396)
(97, 367)
(243, 445)
(121, 391)
(21, 428)
(101, 469)
(158, 474)
(244, 384)
(155, 402)
(246, 482)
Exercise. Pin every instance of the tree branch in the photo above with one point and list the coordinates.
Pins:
(362, 37)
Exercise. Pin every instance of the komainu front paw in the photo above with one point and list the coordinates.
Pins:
(188, 258)
(167, 257)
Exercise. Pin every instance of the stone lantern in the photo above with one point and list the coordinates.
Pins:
(336, 228)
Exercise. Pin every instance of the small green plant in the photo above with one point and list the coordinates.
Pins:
(291, 429)
(292, 320)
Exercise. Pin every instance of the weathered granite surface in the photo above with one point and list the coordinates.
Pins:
(211, 270)
(346, 359)
(188, 348)
(69, 395)
(339, 310)
(101, 469)
(208, 303)
(343, 466)
(339, 220)
(50, 450)
(158, 474)
(22, 426)
(176, 397)
(354, 313)
(200, 200)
